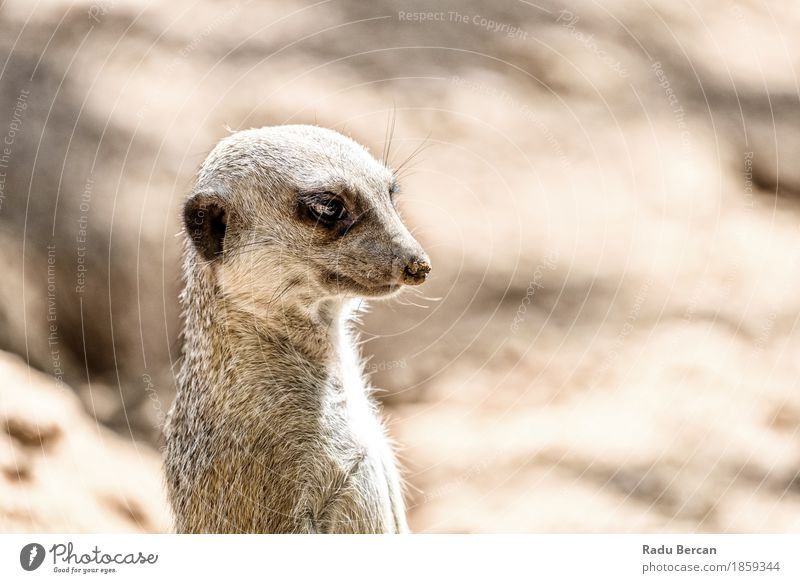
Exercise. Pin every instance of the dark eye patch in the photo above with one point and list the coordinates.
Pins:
(327, 210)
(324, 209)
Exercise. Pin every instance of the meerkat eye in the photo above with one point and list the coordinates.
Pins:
(394, 188)
(325, 208)
(330, 209)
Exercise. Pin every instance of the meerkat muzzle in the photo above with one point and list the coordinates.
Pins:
(416, 270)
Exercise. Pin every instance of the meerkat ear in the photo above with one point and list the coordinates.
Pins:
(206, 220)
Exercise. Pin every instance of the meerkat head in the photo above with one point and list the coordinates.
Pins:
(300, 212)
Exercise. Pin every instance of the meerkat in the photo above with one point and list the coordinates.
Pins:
(273, 429)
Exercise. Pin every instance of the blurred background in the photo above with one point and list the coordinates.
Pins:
(610, 193)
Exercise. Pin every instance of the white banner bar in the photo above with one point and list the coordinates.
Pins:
(550, 558)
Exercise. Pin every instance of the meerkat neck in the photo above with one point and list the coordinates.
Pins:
(225, 344)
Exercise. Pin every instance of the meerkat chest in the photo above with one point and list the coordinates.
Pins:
(360, 491)
(354, 404)
(353, 413)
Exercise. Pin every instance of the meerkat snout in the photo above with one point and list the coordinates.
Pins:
(413, 270)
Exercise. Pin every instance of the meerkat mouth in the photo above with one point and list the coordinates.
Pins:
(349, 284)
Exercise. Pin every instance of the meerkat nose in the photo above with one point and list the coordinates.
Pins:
(416, 270)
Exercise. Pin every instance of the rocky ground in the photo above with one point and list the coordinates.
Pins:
(608, 192)
(60, 471)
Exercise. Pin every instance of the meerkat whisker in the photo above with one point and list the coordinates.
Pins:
(416, 152)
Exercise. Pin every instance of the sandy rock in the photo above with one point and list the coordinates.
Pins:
(60, 471)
